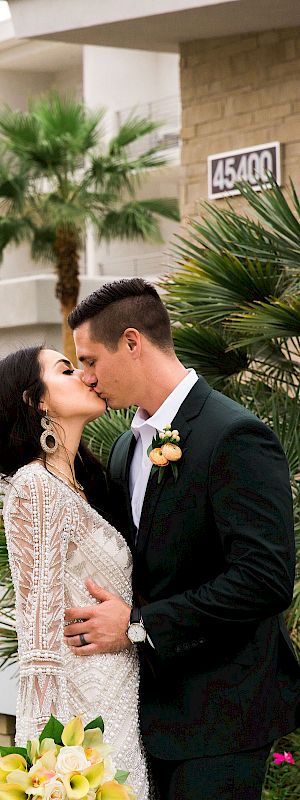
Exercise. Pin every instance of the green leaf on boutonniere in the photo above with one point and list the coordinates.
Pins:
(174, 469)
(161, 473)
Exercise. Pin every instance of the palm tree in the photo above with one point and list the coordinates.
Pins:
(55, 179)
(234, 299)
(241, 279)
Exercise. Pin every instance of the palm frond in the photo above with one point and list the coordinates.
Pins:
(262, 321)
(14, 230)
(133, 128)
(131, 221)
(101, 434)
(13, 188)
(206, 350)
(224, 229)
(42, 245)
(272, 207)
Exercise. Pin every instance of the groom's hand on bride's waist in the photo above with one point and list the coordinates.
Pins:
(102, 627)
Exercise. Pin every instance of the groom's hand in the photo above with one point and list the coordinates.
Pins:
(104, 624)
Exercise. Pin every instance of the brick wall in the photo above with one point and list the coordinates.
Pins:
(236, 92)
(7, 729)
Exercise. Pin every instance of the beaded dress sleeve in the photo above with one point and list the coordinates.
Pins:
(35, 526)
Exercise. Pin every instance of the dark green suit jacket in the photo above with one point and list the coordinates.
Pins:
(214, 569)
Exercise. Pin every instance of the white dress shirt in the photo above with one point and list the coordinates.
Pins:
(144, 428)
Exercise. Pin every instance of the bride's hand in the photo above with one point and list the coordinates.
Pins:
(103, 626)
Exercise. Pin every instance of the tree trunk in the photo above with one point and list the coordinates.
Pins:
(67, 335)
(67, 266)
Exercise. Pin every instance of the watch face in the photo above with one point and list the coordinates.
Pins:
(136, 633)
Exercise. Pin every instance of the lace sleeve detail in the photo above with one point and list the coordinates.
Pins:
(36, 544)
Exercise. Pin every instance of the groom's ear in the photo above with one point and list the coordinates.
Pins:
(132, 340)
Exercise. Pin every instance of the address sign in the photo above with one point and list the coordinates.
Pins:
(250, 164)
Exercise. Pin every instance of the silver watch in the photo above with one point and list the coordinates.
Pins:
(136, 630)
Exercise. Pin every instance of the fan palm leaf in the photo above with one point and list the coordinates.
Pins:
(132, 130)
(206, 350)
(101, 434)
(269, 320)
(273, 208)
(56, 177)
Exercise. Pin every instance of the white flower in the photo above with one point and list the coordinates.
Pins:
(109, 769)
(38, 790)
(167, 427)
(175, 433)
(71, 759)
(176, 438)
(161, 434)
(167, 434)
(54, 790)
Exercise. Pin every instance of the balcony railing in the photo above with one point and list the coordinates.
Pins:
(146, 264)
(167, 137)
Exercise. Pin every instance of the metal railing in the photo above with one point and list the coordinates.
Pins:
(146, 264)
(167, 137)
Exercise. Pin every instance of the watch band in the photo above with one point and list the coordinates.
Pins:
(135, 615)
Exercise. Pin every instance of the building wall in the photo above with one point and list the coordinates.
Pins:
(7, 730)
(238, 91)
(132, 81)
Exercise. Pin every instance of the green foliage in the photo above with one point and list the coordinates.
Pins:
(8, 636)
(58, 179)
(52, 730)
(234, 299)
(95, 723)
(283, 780)
(101, 434)
(55, 171)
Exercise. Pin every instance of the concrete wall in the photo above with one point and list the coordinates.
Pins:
(238, 91)
(126, 81)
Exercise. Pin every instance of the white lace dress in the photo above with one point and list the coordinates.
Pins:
(55, 541)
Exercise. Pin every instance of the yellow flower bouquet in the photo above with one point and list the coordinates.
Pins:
(65, 763)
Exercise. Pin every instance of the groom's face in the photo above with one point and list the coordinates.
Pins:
(112, 373)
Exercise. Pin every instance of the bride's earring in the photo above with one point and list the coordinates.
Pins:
(48, 439)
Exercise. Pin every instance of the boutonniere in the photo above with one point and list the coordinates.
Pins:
(164, 452)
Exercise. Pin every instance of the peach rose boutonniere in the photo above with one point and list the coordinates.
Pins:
(164, 452)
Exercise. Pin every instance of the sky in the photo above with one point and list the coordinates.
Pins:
(4, 11)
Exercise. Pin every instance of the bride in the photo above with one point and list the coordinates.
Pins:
(57, 538)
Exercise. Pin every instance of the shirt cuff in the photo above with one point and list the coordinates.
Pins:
(148, 637)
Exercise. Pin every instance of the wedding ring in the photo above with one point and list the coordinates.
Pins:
(82, 639)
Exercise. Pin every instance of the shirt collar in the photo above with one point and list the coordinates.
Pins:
(142, 423)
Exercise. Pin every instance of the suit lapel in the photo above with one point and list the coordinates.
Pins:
(155, 489)
(125, 461)
(191, 407)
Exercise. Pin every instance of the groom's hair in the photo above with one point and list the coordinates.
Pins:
(131, 303)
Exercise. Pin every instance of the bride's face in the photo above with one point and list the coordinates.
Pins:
(67, 397)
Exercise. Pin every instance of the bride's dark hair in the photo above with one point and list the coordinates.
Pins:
(21, 391)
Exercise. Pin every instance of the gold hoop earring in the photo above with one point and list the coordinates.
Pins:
(48, 439)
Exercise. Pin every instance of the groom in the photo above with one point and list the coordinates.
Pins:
(213, 556)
